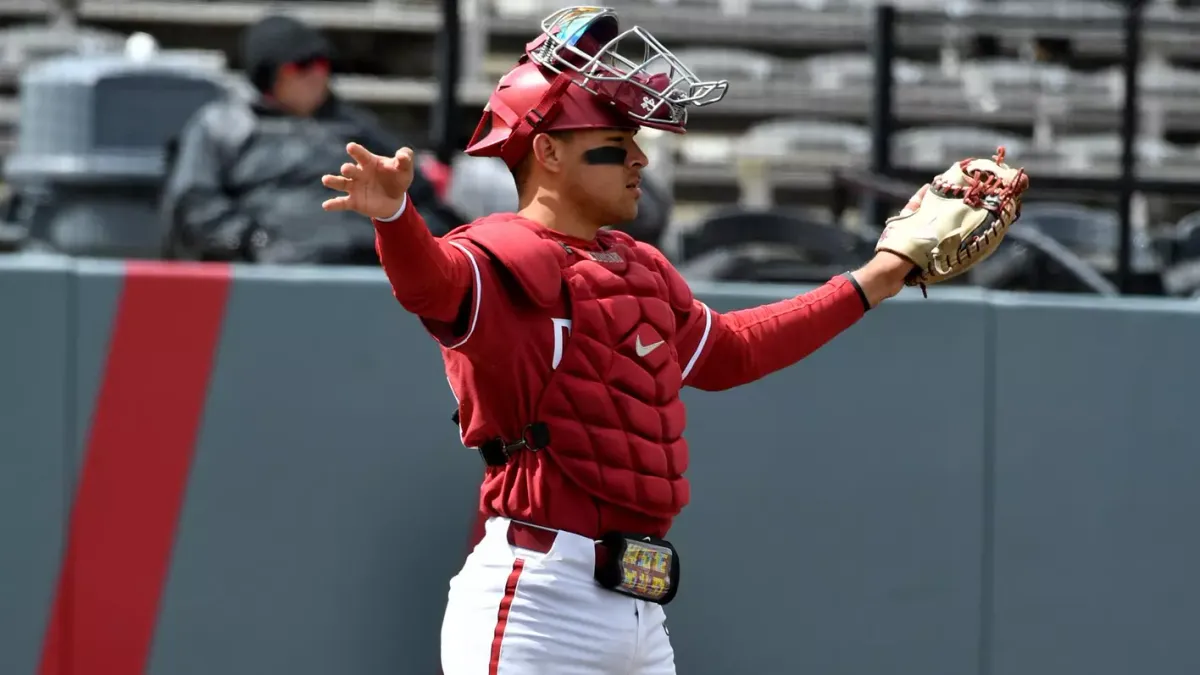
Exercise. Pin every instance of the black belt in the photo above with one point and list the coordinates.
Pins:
(532, 538)
(640, 566)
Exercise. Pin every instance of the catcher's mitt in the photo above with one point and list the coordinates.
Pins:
(956, 221)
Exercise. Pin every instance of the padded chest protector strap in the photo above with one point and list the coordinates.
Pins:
(534, 261)
(679, 294)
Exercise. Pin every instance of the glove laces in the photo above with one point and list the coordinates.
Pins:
(986, 190)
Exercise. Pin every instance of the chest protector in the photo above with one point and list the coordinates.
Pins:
(612, 403)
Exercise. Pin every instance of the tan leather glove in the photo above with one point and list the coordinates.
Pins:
(957, 220)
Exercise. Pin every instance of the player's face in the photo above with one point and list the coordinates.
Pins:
(604, 169)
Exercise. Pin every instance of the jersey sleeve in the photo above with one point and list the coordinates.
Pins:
(456, 333)
(429, 277)
(446, 282)
(482, 311)
(692, 339)
(726, 350)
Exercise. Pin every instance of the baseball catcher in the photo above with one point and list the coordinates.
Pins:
(566, 345)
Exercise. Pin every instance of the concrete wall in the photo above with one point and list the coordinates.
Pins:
(251, 470)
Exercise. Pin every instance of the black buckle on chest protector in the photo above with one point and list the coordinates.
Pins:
(497, 451)
(640, 566)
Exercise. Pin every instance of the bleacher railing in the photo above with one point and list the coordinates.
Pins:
(887, 184)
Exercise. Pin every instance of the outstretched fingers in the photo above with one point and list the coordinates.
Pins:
(337, 204)
(336, 182)
(403, 158)
(360, 154)
(353, 171)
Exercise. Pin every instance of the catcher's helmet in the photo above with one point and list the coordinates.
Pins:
(573, 76)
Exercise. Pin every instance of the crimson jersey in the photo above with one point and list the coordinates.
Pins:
(501, 349)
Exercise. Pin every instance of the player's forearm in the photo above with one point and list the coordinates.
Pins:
(752, 343)
(429, 276)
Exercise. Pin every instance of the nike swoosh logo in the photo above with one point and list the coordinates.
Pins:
(642, 350)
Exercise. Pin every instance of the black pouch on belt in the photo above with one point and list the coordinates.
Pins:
(643, 567)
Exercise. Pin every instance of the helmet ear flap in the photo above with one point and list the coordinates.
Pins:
(483, 128)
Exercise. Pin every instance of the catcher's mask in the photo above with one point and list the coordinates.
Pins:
(578, 75)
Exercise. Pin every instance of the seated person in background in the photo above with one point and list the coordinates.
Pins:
(244, 183)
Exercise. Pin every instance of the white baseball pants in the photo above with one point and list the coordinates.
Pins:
(514, 611)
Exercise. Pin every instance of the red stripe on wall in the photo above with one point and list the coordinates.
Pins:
(135, 468)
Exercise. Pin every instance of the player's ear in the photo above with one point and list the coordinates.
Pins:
(549, 152)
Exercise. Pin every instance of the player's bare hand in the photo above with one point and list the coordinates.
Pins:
(373, 185)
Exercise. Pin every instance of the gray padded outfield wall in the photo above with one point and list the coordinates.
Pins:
(252, 471)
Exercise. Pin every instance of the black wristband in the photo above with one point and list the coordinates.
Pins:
(861, 295)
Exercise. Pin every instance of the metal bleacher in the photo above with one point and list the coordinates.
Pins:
(800, 72)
